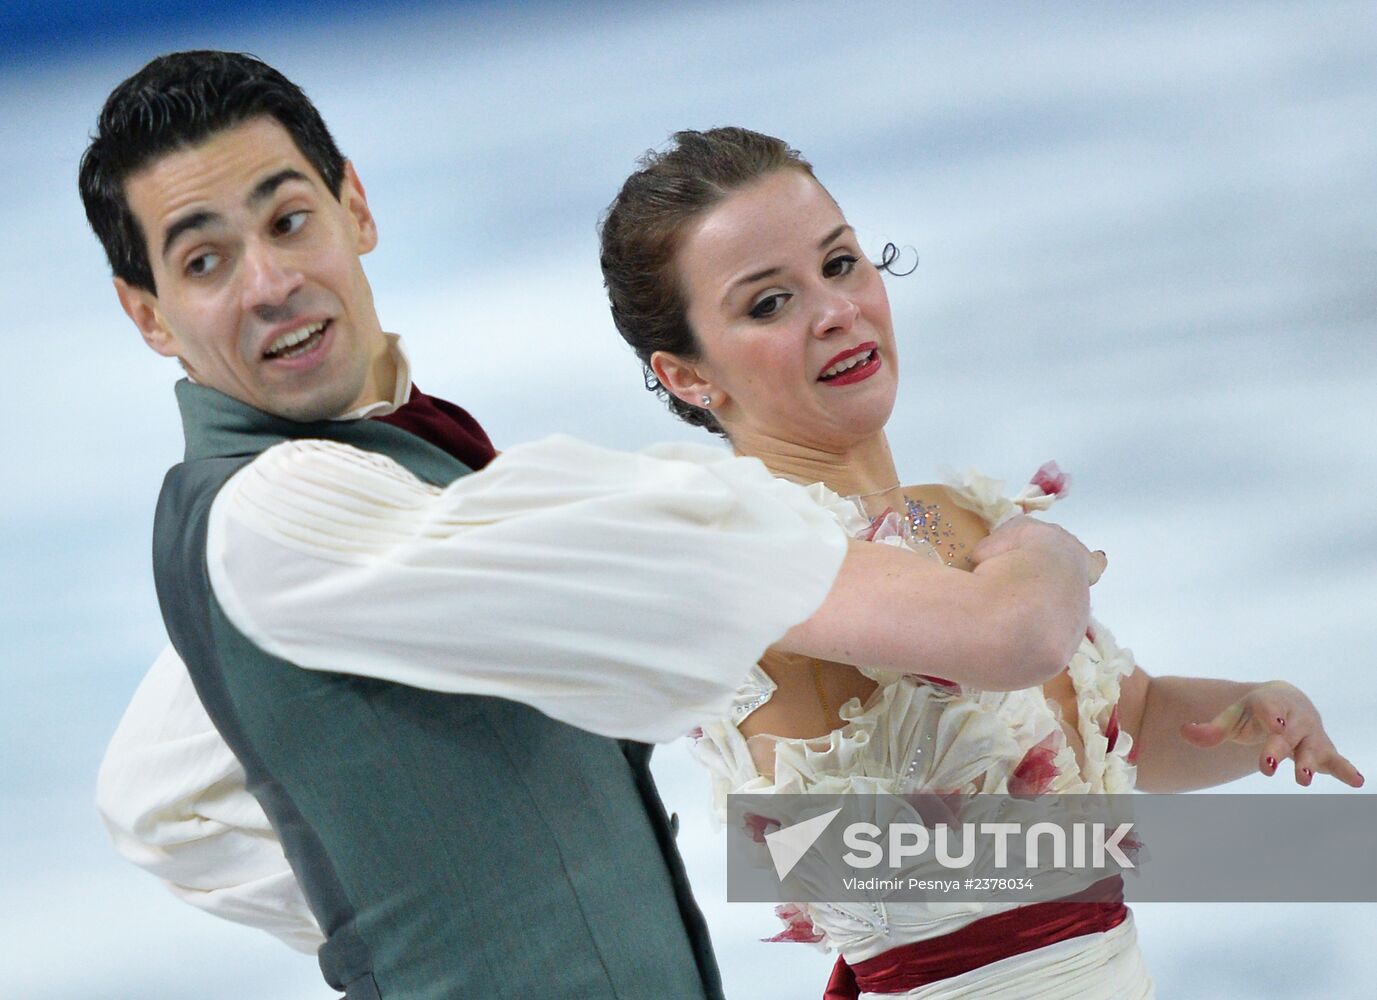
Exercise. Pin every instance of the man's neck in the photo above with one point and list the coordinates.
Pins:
(381, 382)
(387, 382)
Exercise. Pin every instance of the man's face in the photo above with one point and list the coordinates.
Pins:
(260, 291)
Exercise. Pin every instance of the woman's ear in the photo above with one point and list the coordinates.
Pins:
(685, 380)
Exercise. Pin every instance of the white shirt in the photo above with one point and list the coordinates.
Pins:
(627, 594)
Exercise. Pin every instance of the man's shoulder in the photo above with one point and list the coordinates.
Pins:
(192, 485)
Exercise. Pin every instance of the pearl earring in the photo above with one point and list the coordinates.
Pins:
(706, 399)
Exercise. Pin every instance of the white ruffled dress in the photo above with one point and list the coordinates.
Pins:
(914, 734)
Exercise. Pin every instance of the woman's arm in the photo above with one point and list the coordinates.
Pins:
(1251, 727)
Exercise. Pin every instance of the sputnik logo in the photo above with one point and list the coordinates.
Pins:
(789, 845)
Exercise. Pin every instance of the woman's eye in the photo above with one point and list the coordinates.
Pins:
(839, 265)
(290, 223)
(768, 306)
(200, 266)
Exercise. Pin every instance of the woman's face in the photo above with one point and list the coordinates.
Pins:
(792, 320)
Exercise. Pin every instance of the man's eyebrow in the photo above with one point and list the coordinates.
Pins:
(264, 189)
(196, 220)
(261, 192)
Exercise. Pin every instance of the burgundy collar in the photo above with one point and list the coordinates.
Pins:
(444, 425)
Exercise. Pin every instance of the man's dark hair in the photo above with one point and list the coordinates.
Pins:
(176, 101)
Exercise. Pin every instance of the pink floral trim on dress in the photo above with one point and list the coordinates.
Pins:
(798, 926)
(1038, 769)
(1051, 480)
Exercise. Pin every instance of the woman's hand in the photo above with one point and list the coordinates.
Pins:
(1279, 716)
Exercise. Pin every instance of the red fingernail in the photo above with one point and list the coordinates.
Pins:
(1271, 763)
(1307, 772)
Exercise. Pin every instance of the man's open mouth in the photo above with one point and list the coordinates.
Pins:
(295, 343)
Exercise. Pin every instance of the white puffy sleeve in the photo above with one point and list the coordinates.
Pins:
(174, 802)
(627, 594)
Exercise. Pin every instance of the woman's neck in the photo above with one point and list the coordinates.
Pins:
(865, 467)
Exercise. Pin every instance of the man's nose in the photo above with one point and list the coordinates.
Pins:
(269, 279)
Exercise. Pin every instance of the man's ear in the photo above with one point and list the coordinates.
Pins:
(355, 202)
(685, 380)
(141, 306)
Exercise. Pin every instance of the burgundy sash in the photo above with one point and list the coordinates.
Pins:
(989, 939)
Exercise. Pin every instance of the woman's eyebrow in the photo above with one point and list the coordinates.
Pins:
(748, 279)
(771, 271)
(831, 237)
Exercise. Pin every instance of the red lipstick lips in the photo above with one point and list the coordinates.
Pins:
(857, 373)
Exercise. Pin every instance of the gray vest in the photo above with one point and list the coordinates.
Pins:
(451, 846)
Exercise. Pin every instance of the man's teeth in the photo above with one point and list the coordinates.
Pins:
(293, 338)
(848, 364)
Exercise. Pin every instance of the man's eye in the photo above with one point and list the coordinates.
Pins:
(290, 223)
(769, 305)
(839, 265)
(202, 264)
